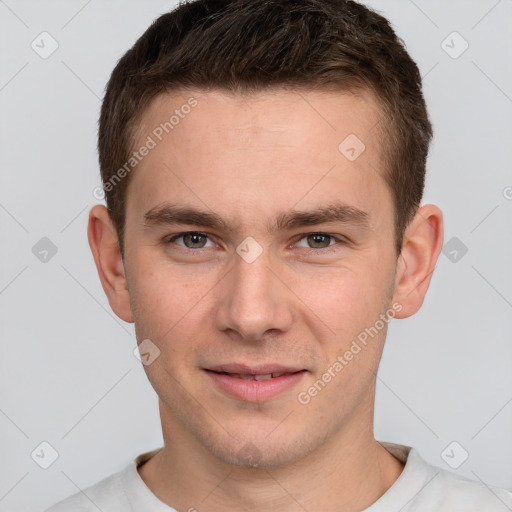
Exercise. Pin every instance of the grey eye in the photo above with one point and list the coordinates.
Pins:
(317, 241)
(194, 240)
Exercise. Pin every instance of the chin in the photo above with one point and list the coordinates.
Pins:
(250, 456)
(257, 449)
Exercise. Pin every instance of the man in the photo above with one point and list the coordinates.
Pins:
(264, 165)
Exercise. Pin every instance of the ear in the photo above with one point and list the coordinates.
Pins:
(107, 256)
(423, 241)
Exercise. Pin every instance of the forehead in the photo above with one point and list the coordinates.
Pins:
(270, 149)
(276, 112)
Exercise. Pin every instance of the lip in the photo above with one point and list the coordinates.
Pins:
(254, 390)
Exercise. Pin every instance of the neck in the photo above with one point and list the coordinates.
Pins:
(349, 472)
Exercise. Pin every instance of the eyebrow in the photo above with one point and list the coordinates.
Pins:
(171, 214)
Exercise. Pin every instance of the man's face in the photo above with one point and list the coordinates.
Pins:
(254, 295)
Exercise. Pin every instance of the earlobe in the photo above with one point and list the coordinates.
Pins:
(109, 263)
(422, 244)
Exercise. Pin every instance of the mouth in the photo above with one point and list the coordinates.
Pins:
(254, 384)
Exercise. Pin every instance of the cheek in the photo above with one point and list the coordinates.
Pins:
(163, 292)
(171, 303)
(345, 299)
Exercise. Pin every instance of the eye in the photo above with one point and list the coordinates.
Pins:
(191, 239)
(320, 241)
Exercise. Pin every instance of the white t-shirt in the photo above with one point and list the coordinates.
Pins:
(421, 487)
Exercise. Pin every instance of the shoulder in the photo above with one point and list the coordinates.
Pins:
(123, 491)
(445, 491)
(450, 491)
(107, 494)
(423, 487)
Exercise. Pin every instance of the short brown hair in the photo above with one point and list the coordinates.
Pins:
(247, 46)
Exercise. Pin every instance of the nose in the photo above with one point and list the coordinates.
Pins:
(255, 300)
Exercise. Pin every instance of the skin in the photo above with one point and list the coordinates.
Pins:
(247, 159)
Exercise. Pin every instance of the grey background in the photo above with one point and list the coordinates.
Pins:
(68, 375)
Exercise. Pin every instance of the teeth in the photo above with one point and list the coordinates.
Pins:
(243, 377)
(263, 377)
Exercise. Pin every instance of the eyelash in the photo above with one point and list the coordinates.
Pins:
(324, 250)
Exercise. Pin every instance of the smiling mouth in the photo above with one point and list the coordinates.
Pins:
(253, 384)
